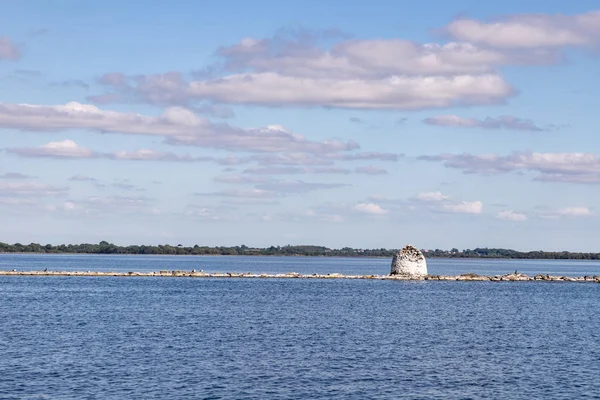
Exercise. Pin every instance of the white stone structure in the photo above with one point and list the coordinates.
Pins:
(410, 262)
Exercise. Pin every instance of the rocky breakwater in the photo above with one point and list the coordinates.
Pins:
(514, 277)
(409, 262)
(469, 277)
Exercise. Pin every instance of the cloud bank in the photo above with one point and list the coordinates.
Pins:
(176, 125)
(294, 70)
(503, 122)
(530, 31)
(550, 167)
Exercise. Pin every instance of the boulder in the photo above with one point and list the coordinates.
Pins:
(409, 262)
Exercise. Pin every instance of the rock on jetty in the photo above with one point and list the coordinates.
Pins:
(409, 262)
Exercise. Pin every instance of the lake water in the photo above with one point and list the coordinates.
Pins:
(272, 265)
(161, 338)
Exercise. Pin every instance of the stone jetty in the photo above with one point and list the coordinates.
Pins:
(469, 277)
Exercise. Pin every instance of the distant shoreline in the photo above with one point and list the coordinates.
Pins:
(286, 251)
(301, 255)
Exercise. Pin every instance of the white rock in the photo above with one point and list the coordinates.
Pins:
(409, 261)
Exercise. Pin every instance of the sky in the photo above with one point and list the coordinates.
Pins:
(363, 124)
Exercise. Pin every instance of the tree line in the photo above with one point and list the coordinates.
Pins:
(321, 251)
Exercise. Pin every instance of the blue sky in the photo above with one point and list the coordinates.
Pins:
(447, 124)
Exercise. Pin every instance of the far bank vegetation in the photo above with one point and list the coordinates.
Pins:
(314, 251)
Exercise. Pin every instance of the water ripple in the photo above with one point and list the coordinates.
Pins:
(135, 338)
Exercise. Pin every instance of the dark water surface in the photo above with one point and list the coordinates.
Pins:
(170, 338)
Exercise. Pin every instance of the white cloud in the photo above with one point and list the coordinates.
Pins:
(527, 31)
(397, 56)
(282, 163)
(66, 206)
(247, 193)
(125, 185)
(552, 167)
(8, 188)
(99, 206)
(69, 149)
(373, 155)
(395, 92)
(14, 175)
(63, 149)
(153, 155)
(327, 159)
(511, 216)
(432, 196)
(69, 205)
(574, 212)
(276, 185)
(116, 201)
(370, 208)
(567, 212)
(82, 178)
(274, 170)
(239, 179)
(291, 158)
(474, 207)
(502, 122)
(113, 79)
(297, 70)
(365, 58)
(177, 125)
(355, 74)
(8, 51)
(584, 177)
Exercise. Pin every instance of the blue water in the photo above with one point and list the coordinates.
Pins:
(303, 265)
(163, 338)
